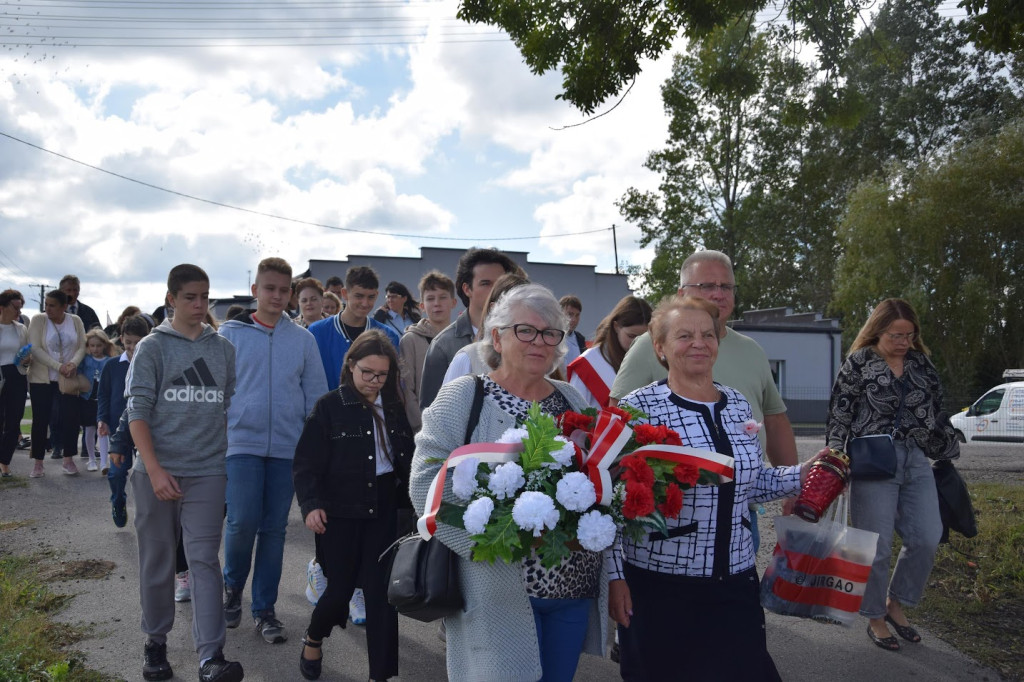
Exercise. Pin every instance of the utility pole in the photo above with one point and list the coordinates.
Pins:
(42, 294)
(615, 245)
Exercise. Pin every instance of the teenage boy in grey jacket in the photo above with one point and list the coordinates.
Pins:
(179, 386)
(280, 378)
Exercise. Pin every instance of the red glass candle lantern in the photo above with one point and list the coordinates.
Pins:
(828, 476)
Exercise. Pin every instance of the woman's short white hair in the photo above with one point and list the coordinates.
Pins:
(537, 299)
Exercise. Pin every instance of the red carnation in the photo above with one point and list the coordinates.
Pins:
(673, 502)
(574, 421)
(635, 468)
(622, 413)
(687, 474)
(639, 500)
(645, 434)
(672, 438)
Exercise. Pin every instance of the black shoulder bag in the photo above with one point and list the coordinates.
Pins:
(873, 458)
(424, 578)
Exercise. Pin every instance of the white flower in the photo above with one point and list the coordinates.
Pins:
(596, 531)
(506, 480)
(464, 478)
(513, 436)
(575, 492)
(751, 427)
(564, 456)
(477, 514)
(534, 511)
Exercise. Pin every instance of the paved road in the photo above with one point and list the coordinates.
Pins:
(72, 515)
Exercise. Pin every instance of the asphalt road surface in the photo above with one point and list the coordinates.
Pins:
(72, 516)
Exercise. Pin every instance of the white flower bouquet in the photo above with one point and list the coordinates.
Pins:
(543, 500)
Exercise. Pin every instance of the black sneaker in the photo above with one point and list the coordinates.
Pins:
(218, 670)
(120, 514)
(156, 666)
(270, 628)
(232, 606)
(57, 454)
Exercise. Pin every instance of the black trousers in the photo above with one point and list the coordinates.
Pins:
(349, 551)
(42, 396)
(720, 621)
(12, 409)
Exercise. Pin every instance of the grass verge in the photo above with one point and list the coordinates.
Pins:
(975, 595)
(33, 647)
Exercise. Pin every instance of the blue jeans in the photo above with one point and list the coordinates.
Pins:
(117, 477)
(561, 631)
(908, 504)
(259, 497)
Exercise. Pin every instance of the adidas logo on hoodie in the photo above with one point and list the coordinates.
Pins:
(197, 386)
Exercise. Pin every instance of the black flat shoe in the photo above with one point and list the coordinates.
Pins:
(888, 643)
(905, 631)
(310, 669)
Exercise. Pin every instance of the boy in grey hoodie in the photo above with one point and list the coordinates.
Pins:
(437, 300)
(179, 386)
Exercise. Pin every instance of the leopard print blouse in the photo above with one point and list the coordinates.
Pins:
(576, 577)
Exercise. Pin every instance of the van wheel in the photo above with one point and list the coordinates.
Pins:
(960, 436)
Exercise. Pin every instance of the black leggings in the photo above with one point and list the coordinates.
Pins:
(12, 409)
(42, 396)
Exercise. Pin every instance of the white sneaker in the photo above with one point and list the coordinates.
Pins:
(357, 607)
(316, 582)
(92, 466)
(182, 589)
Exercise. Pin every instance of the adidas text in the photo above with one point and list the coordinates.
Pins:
(193, 394)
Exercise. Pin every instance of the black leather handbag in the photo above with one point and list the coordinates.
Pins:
(424, 578)
(424, 582)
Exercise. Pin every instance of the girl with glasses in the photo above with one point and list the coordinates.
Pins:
(351, 473)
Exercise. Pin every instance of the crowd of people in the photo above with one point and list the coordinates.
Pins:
(315, 395)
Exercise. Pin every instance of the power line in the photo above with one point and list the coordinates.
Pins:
(286, 218)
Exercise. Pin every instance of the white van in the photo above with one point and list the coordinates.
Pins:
(996, 416)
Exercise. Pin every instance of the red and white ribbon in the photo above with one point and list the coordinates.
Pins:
(487, 453)
(708, 460)
(610, 435)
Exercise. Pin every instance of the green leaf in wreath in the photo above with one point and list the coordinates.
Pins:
(540, 441)
(657, 522)
(499, 540)
(552, 546)
(451, 514)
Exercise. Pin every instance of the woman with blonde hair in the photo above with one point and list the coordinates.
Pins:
(888, 386)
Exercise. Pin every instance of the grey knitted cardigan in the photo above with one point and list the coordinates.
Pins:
(495, 638)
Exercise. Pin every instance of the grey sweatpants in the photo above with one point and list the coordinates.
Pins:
(200, 515)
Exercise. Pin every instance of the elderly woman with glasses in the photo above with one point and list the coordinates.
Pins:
(888, 386)
(351, 470)
(521, 621)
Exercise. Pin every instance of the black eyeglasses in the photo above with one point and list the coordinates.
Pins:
(371, 377)
(527, 333)
(708, 287)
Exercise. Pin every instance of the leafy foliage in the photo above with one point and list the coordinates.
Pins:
(502, 539)
(540, 443)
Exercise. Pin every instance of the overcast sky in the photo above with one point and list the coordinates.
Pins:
(444, 133)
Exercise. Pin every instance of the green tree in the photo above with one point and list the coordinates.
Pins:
(948, 238)
(598, 44)
(736, 102)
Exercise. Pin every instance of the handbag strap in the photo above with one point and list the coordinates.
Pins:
(474, 411)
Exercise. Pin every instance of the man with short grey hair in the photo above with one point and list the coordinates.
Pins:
(742, 363)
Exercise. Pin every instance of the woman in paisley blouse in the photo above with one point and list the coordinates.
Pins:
(521, 622)
(697, 588)
(888, 363)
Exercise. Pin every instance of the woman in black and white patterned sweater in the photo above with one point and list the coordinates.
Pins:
(697, 589)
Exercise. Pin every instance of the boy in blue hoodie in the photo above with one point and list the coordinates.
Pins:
(280, 377)
(179, 387)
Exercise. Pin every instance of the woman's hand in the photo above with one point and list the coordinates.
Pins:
(116, 459)
(805, 467)
(165, 487)
(102, 429)
(620, 602)
(27, 361)
(68, 369)
(316, 521)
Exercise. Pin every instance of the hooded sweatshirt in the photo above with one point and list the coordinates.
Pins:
(412, 350)
(182, 389)
(280, 378)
